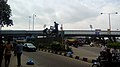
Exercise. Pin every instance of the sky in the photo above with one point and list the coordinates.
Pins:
(72, 14)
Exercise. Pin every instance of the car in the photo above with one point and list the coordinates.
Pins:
(29, 47)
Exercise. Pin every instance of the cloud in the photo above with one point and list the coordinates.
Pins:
(73, 14)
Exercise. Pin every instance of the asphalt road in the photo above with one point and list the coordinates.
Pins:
(93, 51)
(45, 59)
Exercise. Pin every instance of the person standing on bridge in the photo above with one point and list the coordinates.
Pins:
(56, 27)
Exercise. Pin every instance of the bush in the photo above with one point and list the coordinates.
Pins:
(114, 44)
(55, 46)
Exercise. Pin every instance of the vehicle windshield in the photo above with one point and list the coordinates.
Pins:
(29, 44)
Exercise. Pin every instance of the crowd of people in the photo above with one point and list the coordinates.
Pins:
(108, 55)
(6, 50)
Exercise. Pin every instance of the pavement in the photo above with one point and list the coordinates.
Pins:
(24, 59)
(81, 53)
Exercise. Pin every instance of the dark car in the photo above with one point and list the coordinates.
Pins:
(29, 47)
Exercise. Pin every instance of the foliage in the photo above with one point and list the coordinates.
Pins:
(5, 14)
(114, 44)
(56, 46)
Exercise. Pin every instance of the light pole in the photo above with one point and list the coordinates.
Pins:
(109, 16)
(33, 20)
(29, 21)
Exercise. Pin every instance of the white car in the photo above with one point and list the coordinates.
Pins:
(29, 47)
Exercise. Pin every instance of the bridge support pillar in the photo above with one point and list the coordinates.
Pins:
(110, 38)
(114, 39)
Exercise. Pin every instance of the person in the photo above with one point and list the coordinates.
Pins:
(14, 45)
(115, 53)
(108, 55)
(1, 52)
(101, 57)
(8, 52)
(19, 50)
(103, 48)
(56, 26)
(45, 30)
(92, 44)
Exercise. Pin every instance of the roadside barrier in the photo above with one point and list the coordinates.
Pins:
(56, 52)
(77, 57)
(60, 53)
(71, 56)
(65, 54)
(85, 59)
(48, 50)
(45, 50)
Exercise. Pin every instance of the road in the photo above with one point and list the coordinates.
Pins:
(86, 51)
(45, 59)
(95, 50)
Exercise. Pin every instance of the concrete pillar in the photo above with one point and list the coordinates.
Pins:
(114, 39)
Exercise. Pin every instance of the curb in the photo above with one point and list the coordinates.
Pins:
(85, 59)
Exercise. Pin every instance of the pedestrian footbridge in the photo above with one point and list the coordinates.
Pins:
(66, 33)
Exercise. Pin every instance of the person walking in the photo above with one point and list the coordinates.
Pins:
(8, 51)
(19, 50)
(1, 52)
(14, 46)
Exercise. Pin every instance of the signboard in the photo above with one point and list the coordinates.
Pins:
(97, 31)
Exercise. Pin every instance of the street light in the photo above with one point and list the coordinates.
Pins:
(33, 20)
(29, 21)
(109, 15)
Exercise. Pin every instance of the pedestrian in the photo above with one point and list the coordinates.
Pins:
(108, 55)
(14, 46)
(8, 52)
(19, 50)
(115, 53)
(56, 27)
(1, 52)
(103, 48)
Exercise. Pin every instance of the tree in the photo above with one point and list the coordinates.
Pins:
(5, 14)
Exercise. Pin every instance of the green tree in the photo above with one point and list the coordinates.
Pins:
(5, 14)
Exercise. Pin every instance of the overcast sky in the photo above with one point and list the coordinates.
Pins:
(73, 14)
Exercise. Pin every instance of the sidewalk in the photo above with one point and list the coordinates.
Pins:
(13, 62)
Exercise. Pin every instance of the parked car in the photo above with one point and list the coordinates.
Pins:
(29, 47)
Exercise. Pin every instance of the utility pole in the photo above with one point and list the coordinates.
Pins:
(109, 21)
(29, 22)
(33, 20)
